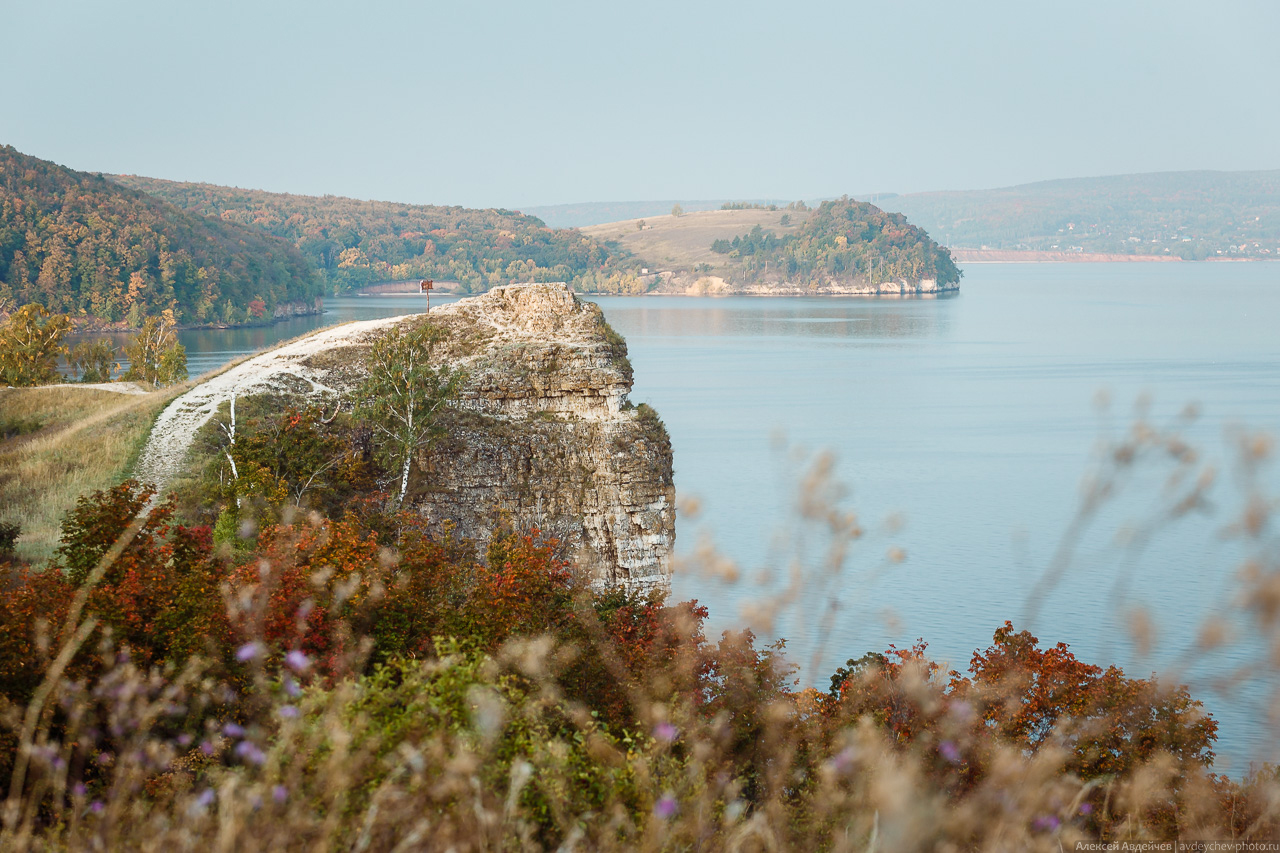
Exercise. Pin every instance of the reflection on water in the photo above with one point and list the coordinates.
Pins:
(863, 319)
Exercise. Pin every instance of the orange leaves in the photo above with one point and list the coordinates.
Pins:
(524, 589)
(1109, 721)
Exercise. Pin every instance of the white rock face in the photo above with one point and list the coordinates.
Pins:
(541, 435)
(546, 438)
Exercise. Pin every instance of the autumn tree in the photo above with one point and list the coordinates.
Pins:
(404, 394)
(1110, 721)
(30, 343)
(154, 354)
(95, 360)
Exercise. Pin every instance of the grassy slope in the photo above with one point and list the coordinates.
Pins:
(86, 440)
(680, 242)
(65, 442)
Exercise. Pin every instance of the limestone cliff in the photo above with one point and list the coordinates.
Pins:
(541, 435)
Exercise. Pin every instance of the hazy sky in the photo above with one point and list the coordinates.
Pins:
(519, 104)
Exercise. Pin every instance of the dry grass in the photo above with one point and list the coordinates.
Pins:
(87, 440)
(67, 442)
(682, 242)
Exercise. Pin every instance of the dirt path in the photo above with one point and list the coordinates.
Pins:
(175, 429)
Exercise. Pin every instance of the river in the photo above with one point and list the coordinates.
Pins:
(963, 427)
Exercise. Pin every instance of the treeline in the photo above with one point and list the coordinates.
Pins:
(1191, 215)
(84, 246)
(754, 205)
(32, 341)
(354, 243)
(843, 238)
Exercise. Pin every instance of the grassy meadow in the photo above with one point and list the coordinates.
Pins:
(683, 242)
(60, 443)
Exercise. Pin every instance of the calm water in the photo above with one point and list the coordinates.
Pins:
(963, 428)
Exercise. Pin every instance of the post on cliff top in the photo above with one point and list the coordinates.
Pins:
(425, 286)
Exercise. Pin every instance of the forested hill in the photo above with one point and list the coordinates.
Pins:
(85, 246)
(844, 239)
(353, 243)
(1191, 215)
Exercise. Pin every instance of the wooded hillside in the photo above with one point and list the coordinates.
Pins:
(85, 246)
(354, 243)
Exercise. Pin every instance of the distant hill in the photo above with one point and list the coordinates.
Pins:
(600, 212)
(82, 245)
(844, 245)
(354, 243)
(1191, 215)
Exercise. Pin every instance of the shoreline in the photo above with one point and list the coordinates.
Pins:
(1031, 256)
(79, 326)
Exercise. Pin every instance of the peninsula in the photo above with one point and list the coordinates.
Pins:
(844, 247)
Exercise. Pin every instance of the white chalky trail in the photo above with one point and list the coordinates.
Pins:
(175, 428)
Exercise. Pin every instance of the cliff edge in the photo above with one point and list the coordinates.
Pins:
(541, 435)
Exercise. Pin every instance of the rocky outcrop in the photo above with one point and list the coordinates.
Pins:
(298, 308)
(541, 435)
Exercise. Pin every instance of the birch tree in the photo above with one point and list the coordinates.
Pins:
(404, 394)
(154, 354)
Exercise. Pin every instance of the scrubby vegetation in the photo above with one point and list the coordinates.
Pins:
(354, 243)
(81, 245)
(286, 668)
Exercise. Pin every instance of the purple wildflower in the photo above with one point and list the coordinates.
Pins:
(950, 751)
(1046, 823)
(666, 807)
(207, 748)
(248, 751)
(289, 712)
(206, 798)
(297, 661)
(183, 739)
(249, 651)
(280, 794)
(1086, 808)
(96, 806)
(665, 732)
(78, 789)
(843, 760)
(291, 688)
(233, 730)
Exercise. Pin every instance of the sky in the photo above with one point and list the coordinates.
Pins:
(495, 104)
